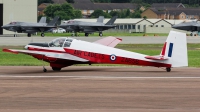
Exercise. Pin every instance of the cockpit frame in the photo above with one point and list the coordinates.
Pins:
(61, 42)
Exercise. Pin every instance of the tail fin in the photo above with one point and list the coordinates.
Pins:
(111, 21)
(100, 19)
(175, 49)
(53, 22)
(43, 20)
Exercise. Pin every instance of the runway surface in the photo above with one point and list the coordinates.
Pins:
(21, 41)
(99, 89)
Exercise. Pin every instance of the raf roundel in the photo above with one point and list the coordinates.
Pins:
(113, 57)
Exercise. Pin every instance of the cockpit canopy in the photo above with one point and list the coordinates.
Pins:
(13, 23)
(61, 42)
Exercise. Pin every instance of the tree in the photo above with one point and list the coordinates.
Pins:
(128, 13)
(115, 13)
(64, 11)
(78, 14)
(98, 13)
(51, 9)
(145, 17)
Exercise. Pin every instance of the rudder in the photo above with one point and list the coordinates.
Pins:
(175, 49)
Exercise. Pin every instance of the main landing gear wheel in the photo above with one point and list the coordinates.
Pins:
(42, 34)
(101, 34)
(86, 34)
(44, 70)
(56, 69)
(168, 69)
(29, 35)
(15, 35)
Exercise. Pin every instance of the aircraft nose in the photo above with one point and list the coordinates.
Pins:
(3, 26)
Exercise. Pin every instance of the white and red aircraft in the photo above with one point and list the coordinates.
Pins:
(63, 52)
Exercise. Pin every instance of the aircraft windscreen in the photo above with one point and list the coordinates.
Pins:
(61, 42)
(12, 23)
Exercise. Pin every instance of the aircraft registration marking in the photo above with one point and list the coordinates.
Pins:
(89, 54)
(106, 58)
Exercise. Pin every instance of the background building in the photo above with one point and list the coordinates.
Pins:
(17, 10)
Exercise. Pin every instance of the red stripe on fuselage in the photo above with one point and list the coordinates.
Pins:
(104, 58)
(164, 49)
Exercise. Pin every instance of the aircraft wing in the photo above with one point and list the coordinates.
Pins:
(47, 54)
(156, 57)
(109, 41)
(37, 27)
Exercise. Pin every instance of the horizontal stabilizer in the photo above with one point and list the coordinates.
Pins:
(156, 57)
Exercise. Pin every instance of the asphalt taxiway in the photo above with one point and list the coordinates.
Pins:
(21, 41)
(99, 89)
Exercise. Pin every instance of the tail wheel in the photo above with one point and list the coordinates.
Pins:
(168, 69)
(56, 69)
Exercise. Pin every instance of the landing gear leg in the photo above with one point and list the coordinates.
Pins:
(42, 34)
(44, 69)
(168, 69)
(15, 35)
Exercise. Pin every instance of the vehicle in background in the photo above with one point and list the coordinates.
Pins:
(58, 30)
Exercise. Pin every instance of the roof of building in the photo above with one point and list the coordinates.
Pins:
(175, 11)
(82, 1)
(59, 1)
(187, 11)
(104, 6)
(167, 5)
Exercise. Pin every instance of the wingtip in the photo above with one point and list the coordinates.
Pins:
(119, 39)
(8, 50)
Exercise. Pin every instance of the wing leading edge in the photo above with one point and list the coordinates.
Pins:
(63, 55)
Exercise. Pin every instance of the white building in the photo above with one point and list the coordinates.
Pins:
(17, 10)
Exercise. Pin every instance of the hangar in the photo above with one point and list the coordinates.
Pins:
(17, 10)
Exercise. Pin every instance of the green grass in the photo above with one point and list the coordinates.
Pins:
(104, 34)
(8, 59)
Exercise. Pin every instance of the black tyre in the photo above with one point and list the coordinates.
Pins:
(168, 69)
(42, 34)
(44, 70)
(56, 69)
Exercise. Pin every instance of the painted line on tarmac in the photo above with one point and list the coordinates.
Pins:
(97, 77)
